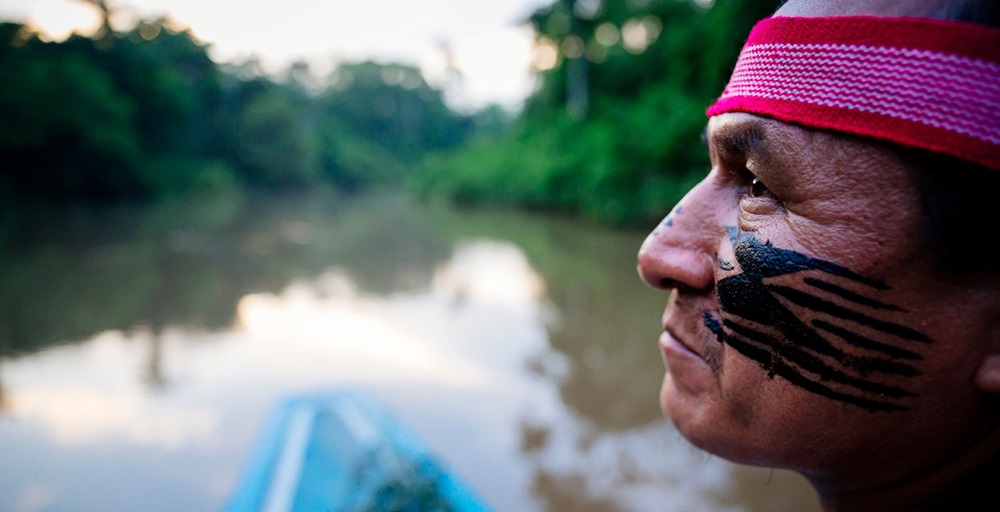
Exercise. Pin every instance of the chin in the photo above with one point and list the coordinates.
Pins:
(692, 416)
(705, 423)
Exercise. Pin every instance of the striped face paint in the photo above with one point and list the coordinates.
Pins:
(816, 324)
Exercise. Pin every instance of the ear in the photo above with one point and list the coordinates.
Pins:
(988, 374)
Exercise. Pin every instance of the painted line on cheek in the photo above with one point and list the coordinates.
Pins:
(816, 304)
(861, 342)
(806, 361)
(776, 366)
(848, 295)
(751, 300)
(767, 260)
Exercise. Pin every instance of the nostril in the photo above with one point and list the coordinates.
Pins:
(676, 267)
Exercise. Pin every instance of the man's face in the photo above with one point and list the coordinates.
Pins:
(807, 327)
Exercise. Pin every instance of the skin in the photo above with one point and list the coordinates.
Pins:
(807, 327)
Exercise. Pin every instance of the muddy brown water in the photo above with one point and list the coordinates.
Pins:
(142, 347)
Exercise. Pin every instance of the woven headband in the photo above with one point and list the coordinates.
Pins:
(918, 82)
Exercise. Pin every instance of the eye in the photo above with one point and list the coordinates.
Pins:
(757, 188)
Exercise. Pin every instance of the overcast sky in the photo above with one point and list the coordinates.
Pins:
(489, 48)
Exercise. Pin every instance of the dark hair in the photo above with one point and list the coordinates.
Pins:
(983, 12)
(960, 202)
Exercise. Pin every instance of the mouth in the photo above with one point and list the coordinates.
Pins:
(672, 345)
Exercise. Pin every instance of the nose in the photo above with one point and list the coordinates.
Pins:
(681, 251)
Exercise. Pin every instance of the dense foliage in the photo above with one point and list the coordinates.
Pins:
(613, 131)
(147, 113)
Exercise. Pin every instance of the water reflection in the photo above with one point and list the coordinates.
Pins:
(143, 350)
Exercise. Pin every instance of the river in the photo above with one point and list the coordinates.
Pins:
(142, 348)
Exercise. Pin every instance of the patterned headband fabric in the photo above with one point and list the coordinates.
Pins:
(918, 82)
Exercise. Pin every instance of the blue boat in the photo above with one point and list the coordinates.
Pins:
(341, 451)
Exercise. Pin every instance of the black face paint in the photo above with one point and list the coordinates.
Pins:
(807, 353)
(669, 221)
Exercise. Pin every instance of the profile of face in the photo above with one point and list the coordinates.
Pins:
(807, 325)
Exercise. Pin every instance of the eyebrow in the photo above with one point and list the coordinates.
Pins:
(747, 139)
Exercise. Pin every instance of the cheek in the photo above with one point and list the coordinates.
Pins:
(757, 420)
(818, 326)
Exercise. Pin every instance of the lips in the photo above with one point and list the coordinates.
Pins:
(672, 346)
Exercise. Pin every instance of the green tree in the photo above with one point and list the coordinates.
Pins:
(394, 107)
(270, 136)
(628, 151)
(65, 130)
(145, 112)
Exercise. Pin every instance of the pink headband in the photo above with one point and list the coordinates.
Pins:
(918, 82)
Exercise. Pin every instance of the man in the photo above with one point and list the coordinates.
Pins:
(835, 305)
